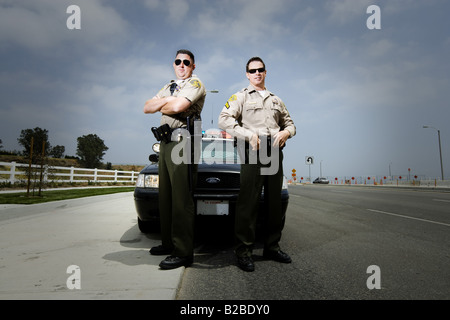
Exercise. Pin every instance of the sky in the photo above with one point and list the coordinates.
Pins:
(359, 96)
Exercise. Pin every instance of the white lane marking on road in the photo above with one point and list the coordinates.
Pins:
(340, 191)
(407, 217)
(442, 200)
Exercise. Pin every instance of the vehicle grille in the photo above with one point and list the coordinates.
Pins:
(227, 180)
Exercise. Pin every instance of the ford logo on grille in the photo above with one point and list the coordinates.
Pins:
(213, 180)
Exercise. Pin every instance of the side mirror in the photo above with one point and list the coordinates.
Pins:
(154, 158)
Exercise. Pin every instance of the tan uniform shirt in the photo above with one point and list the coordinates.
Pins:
(191, 89)
(247, 113)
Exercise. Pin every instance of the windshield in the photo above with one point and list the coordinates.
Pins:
(219, 151)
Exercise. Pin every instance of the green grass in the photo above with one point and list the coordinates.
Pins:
(55, 195)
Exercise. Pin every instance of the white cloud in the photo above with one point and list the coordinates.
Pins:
(176, 10)
(238, 22)
(381, 48)
(41, 25)
(31, 26)
(344, 11)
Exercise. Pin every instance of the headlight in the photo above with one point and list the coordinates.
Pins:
(140, 181)
(147, 181)
(151, 181)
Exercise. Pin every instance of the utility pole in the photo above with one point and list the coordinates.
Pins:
(29, 167)
(440, 149)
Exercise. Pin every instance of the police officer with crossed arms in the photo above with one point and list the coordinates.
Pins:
(177, 101)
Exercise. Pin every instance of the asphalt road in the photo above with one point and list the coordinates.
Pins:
(346, 243)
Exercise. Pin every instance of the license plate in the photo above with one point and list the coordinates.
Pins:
(212, 207)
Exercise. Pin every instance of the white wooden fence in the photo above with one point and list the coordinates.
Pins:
(17, 174)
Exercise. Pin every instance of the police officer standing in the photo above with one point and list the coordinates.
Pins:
(176, 101)
(259, 117)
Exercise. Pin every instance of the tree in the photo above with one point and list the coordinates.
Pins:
(57, 151)
(91, 150)
(40, 136)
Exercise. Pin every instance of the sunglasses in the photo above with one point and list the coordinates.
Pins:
(261, 70)
(187, 63)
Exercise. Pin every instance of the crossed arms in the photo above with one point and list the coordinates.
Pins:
(167, 105)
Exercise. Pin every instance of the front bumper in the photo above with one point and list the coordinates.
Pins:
(146, 202)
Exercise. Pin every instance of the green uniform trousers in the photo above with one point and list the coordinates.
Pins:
(247, 205)
(176, 204)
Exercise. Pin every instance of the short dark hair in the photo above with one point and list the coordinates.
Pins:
(254, 59)
(189, 53)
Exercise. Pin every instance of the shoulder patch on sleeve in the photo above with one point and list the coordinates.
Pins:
(232, 98)
(196, 83)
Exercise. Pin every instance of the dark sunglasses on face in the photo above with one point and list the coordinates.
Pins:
(185, 62)
(261, 70)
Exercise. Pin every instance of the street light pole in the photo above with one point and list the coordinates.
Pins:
(440, 154)
(321, 168)
(212, 108)
(390, 174)
(440, 149)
